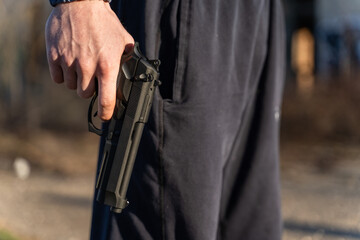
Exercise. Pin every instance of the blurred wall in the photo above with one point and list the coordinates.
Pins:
(28, 97)
(338, 37)
(330, 9)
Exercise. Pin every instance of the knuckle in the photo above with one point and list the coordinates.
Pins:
(130, 39)
(52, 56)
(105, 109)
(85, 65)
(106, 103)
(105, 67)
(67, 62)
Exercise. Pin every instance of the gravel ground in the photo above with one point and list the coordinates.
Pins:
(54, 202)
(320, 195)
(321, 191)
(46, 206)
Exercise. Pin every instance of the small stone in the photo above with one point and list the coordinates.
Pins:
(22, 168)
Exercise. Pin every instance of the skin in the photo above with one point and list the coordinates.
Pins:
(85, 40)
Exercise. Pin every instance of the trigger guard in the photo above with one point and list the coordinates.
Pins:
(91, 125)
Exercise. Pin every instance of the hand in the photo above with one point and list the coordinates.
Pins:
(84, 40)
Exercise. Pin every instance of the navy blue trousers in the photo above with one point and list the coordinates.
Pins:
(207, 166)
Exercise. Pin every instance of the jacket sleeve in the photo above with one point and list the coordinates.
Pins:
(55, 2)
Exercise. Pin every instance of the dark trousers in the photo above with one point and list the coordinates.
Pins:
(207, 166)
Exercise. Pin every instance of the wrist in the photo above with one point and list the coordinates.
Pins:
(55, 2)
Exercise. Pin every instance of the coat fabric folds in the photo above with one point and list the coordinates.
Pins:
(207, 166)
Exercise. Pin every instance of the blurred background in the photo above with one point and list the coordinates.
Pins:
(48, 159)
(320, 131)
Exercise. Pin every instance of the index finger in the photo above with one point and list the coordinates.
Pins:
(106, 95)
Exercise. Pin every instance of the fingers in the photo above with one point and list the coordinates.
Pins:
(55, 69)
(56, 73)
(107, 94)
(63, 73)
(107, 73)
(62, 69)
(77, 75)
(70, 77)
(85, 86)
(85, 40)
(85, 79)
(68, 73)
(80, 74)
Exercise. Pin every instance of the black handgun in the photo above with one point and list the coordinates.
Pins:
(137, 80)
